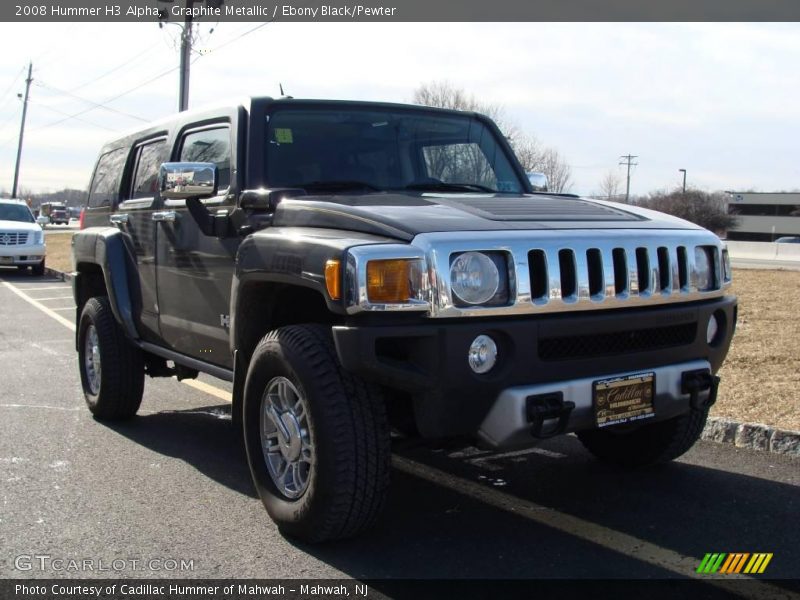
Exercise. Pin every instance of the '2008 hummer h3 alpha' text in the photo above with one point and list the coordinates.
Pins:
(353, 267)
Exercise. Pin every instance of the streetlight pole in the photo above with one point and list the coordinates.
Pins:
(22, 129)
(684, 179)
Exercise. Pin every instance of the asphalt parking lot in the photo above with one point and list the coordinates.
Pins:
(173, 483)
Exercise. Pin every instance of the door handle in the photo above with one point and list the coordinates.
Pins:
(119, 219)
(165, 216)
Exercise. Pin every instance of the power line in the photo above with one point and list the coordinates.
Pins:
(61, 112)
(235, 39)
(92, 102)
(141, 84)
(628, 160)
(13, 83)
(10, 117)
(133, 59)
(120, 95)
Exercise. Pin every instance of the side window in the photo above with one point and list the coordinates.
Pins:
(210, 145)
(105, 183)
(148, 160)
(459, 163)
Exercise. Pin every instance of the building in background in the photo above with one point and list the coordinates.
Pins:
(764, 217)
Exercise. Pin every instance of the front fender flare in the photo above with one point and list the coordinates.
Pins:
(109, 249)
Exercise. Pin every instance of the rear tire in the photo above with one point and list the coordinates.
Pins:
(112, 369)
(651, 444)
(338, 430)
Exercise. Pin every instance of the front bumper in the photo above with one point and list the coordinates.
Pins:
(25, 254)
(429, 360)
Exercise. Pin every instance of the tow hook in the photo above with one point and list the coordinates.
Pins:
(694, 382)
(543, 407)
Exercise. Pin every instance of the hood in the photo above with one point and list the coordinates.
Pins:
(405, 215)
(14, 226)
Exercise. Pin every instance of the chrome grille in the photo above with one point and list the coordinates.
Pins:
(13, 238)
(572, 275)
(573, 270)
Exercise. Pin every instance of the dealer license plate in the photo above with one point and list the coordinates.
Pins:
(624, 399)
(6, 260)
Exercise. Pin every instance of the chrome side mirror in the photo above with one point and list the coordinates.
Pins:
(42, 220)
(181, 181)
(538, 181)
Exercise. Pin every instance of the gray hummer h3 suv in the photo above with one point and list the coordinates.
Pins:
(355, 267)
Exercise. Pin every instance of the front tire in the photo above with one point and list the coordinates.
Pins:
(317, 437)
(112, 369)
(38, 270)
(651, 444)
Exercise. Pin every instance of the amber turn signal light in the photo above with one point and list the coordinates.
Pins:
(388, 280)
(333, 278)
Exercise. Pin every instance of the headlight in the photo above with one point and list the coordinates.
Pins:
(475, 277)
(38, 236)
(703, 268)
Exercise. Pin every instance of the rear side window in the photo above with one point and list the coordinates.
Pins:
(210, 146)
(148, 161)
(105, 183)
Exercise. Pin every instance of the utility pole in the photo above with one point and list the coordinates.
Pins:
(627, 159)
(684, 179)
(22, 129)
(186, 54)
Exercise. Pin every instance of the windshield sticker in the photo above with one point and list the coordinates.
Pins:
(283, 136)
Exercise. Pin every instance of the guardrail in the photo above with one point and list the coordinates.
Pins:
(764, 251)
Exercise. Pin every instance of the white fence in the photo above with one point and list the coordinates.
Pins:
(764, 251)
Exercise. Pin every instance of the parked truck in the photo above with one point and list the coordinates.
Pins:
(354, 267)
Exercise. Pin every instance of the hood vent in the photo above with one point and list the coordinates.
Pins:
(538, 208)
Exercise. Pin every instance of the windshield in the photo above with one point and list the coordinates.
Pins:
(15, 212)
(374, 149)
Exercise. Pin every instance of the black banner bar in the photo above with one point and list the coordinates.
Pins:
(400, 10)
(711, 588)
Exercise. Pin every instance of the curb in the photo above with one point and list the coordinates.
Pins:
(722, 430)
(754, 436)
(57, 274)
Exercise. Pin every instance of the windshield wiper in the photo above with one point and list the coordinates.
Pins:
(449, 187)
(336, 185)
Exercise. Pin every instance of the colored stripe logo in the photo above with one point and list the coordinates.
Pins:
(735, 562)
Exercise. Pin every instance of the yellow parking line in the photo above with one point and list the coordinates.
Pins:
(208, 389)
(613, 540)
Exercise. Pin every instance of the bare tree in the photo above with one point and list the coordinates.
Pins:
(559, 173)
(704, 209)
(530, 152)
(610, 185)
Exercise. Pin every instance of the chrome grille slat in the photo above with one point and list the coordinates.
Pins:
(582, 274)
(609, 284)
(529, 251)
(553, 277)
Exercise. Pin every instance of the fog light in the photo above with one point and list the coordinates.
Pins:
(482, 354)
(711, 331)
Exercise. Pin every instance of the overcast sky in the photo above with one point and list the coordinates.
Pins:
(720, 100)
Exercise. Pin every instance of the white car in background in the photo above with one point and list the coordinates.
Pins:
(21, 238)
